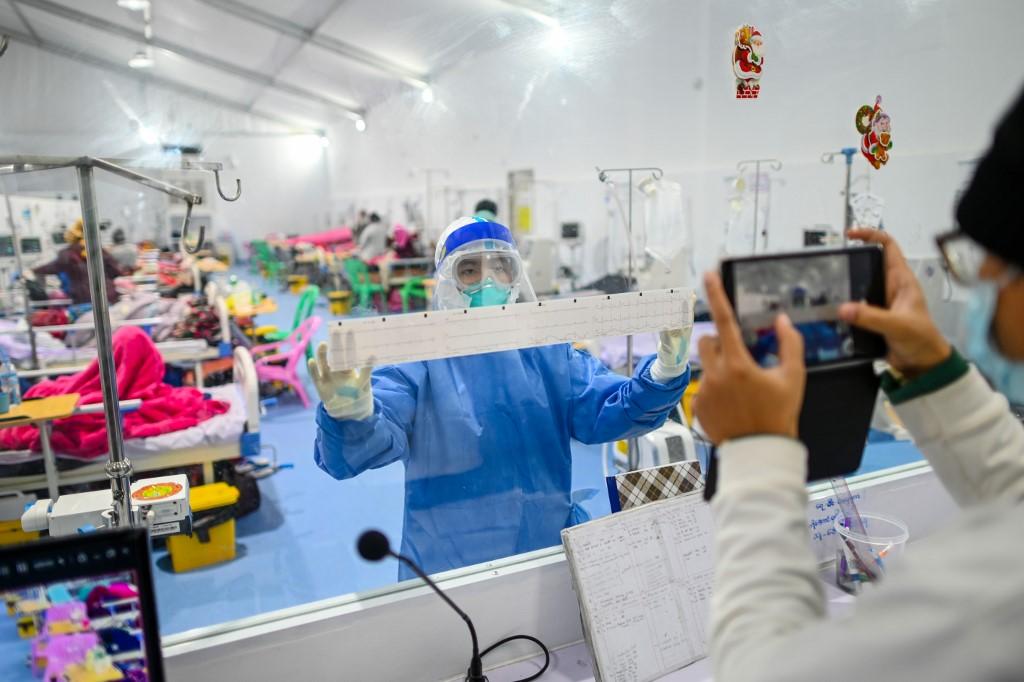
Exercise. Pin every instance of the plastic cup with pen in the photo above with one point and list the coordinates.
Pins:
(861, 558)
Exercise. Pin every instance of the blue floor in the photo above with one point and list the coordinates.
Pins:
(300, 545)
(883, 455)
(14, 651)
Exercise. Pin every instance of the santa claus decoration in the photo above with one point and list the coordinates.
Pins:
(747, 61)
(876, 128)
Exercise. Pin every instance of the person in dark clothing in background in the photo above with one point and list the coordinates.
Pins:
(486, 209)
(70, 261)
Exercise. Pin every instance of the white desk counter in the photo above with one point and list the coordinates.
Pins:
(410, 634)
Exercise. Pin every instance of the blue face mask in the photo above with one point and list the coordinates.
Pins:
(1006, 375)
(488, 292)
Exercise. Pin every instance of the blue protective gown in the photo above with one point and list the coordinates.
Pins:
(485, 443)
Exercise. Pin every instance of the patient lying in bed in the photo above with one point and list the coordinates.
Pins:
(140, 372)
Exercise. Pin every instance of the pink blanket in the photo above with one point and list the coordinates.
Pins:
(337, 235)
(140, 373)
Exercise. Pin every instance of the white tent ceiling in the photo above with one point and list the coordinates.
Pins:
(305, 63)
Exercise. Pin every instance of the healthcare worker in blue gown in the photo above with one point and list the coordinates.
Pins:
(485, 438)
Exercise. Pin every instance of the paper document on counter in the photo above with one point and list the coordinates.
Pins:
(643, 581)
(394, 339)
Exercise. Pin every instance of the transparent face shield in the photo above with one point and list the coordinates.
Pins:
(480, 273)
(475, 270)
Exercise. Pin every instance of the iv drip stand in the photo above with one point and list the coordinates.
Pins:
(429, 204)
(119, 468)
(829, 157)
(773, 164)
(632, 457)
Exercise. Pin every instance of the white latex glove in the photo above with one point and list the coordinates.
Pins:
(673, 354)
(346, 394)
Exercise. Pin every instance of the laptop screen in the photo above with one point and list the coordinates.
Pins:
(79, 608)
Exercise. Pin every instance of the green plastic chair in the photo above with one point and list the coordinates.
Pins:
(359, 278)
(304, 310)
(269, 262)
(255, 261)
(412, 289)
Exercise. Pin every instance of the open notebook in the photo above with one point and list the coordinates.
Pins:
(643, 581)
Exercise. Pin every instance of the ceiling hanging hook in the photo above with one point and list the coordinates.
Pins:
(238, 188)
(184, 233)
(5, 41)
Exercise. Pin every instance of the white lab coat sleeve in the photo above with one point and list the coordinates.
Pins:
(971, 439)
(948, 611)
(766, 582)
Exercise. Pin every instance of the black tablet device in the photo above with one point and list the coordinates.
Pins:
(839, 401)
(80, 607)
(809, 286)
(842, 385)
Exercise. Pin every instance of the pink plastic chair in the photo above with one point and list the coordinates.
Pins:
(293, 352)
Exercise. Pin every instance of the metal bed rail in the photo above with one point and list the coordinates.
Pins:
(88, 326)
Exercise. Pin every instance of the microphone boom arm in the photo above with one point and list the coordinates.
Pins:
(476, 665)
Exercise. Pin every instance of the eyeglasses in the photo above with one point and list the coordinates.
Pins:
(963, 256)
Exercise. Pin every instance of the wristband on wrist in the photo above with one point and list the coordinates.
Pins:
(901, 390)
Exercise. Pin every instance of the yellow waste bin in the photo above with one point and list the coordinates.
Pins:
(12, 504)
(296, 283)
(340, 302)
(213, 529)
(12, 534)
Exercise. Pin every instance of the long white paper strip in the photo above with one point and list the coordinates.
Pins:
(393, 339)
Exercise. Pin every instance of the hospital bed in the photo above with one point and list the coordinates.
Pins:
(73, 360)
(224, 437)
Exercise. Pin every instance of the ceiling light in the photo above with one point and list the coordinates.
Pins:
(148, 135)
(557, 40)
(360, 124)
(427, 95)
(133, 5)
(140, 60)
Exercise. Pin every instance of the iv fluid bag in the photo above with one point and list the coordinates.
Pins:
(666, 229)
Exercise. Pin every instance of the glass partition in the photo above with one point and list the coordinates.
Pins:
(619, 146)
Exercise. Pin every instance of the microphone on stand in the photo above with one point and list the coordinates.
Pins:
(374, 546)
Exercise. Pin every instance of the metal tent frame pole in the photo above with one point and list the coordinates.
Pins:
(119, 468)
(632, 456)
(21, 274)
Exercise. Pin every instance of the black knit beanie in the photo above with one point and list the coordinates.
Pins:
(989, 211)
